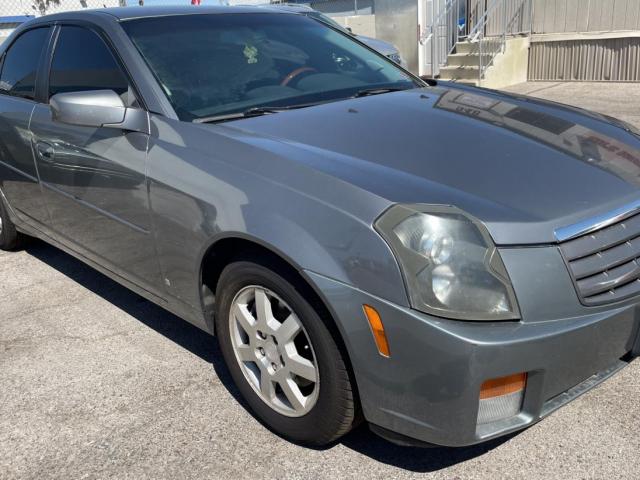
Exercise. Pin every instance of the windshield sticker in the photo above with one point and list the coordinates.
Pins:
(251, 53)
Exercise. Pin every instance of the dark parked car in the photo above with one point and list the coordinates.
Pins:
(449, 264)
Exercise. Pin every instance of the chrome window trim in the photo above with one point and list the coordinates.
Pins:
(596, 223)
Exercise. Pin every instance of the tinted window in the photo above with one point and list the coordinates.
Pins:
(83, 62)
(21, 63)
(216, 64)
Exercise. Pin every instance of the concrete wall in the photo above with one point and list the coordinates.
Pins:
(397, 22)
(360, 24)
(511, 67)
(342, 7)
(559, 16)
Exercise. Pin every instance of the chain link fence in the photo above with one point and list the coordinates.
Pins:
(20, 8)
(15, 12)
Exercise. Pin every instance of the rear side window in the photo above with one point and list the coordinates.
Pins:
(20, 65)
(83, 62)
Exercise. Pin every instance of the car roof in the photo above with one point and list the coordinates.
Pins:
(129, 13)
(289, 7)
(16, 19)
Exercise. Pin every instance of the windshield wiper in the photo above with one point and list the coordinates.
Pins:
(269, 109)
(252, 112)
(367, 92)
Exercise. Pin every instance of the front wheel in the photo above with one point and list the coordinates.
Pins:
(281, 355)
(10, 238)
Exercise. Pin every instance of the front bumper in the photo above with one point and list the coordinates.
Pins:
(428, 390)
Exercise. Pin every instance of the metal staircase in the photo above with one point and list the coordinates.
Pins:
(465, 52)
(463, 65)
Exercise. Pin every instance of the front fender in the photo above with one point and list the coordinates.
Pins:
(205, 186)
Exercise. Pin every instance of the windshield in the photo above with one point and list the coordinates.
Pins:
(222, 64)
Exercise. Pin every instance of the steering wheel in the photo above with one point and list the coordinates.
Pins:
(298, 71)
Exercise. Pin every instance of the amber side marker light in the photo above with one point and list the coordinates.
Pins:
(377, 328)
(501, 398)
(498, 387)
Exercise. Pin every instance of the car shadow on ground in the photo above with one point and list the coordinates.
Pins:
(203, 345)
(422, 460)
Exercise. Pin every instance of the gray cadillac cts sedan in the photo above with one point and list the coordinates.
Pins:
(448, 264)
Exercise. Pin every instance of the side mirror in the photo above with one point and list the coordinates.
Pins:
(97, 108)
(350, 30)
(429, 80)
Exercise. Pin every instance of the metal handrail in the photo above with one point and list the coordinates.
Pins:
(424, 38)
(443, 34)
(447, 20)
(484, 20)
(489, 46)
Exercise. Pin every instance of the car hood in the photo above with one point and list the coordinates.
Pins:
(381, 46)
(523, 167)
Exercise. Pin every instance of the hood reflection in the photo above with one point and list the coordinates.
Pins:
(590, 146)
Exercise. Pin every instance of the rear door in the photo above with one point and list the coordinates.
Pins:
(18, 78)
(94, 179)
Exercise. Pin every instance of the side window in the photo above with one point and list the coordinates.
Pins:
(82, 62)
(20, 65)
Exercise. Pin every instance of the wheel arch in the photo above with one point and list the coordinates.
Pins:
(236, 246)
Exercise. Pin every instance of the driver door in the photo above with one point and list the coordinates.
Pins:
(94, 179)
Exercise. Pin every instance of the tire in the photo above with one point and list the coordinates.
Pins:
(10, 238)
(329, 409)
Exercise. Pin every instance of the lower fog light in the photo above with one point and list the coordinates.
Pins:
(501, 398)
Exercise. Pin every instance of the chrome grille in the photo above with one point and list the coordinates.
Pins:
(605, 264)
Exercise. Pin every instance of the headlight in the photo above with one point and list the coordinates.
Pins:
(451, 266)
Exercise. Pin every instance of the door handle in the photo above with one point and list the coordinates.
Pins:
(45, 151)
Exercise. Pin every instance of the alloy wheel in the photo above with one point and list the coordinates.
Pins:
(273, 350)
